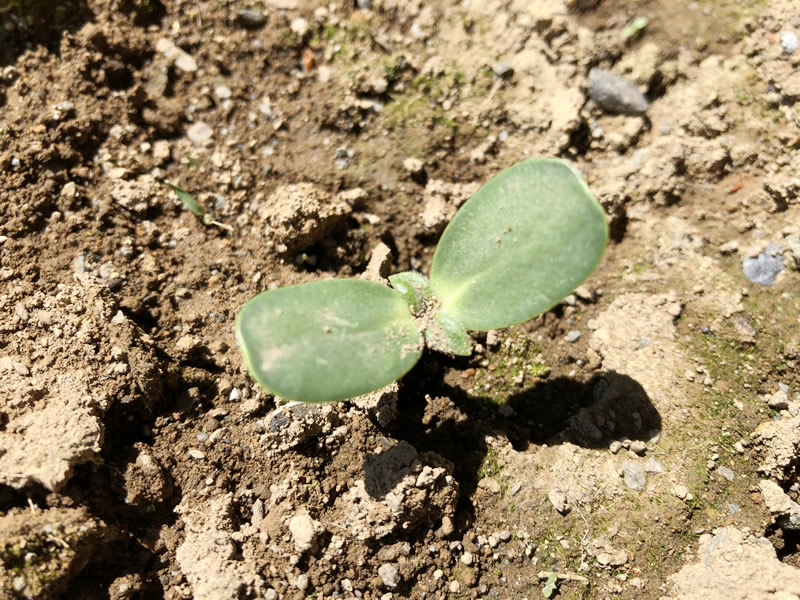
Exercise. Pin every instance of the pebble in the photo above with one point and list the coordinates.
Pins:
(455, 587)
(634, 476)
(503, 70)
(389, 575)
(573, 336)
(681, 492)
(726, 472)
(778, 401)
(223, 92)
(615, 446)
(638, 447)
(303, 530)
(413, 165)
(299, 26)
(789, 42)
(559, 501)
(199, 133)
(364, 4)
(655, 466)
(302, 582)
(490, 485)
(763, 269)
(271, 594)
(616, 94)
(504, 535)
(467, 558)
(196, 454)
(251, 18)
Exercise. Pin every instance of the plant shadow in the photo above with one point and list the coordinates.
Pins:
(605, 408)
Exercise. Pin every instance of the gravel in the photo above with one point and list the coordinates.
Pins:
(250, 18)
(389, 575)
(726, 472)
(763, 269)
(616, 94)
(634, 476)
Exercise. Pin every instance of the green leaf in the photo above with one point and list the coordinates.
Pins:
(415, 288)
(442, 332)
(188, 201)
(635, 26)
(328, 340)
(522, 243)
(551, 585)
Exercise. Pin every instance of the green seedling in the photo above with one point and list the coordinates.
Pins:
(514, 250)
(192, 205)
(635, 27)
(550, 586)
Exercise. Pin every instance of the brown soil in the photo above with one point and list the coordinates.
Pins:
(139, 460)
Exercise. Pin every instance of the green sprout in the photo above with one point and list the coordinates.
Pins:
(635, 27)
(551, 585)
(193, 206)
(514, 250)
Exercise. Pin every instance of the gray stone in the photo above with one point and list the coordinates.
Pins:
(251, 18)
(559, 500)
(199, 133)
(616, 94)
(573, 336)
(654, 466)
(778, 401)
(634, 476)
(389, 575)
(364, 4)
(726, 472)
(763, 269)
(503, 70)
(788, 42)
(638, 447)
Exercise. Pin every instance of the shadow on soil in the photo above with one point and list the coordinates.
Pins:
(594, 413)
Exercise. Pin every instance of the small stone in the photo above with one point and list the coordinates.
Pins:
(438, 574)
(196, 454)
(490, 485)
(654, 466)
(789, 42)
(413, 165)
(467, 558)
(638, 447)
(778, 401)
(616, 94)
(504, 535)
(19, 584)
(559, 501)
(199, 133)
(271, 594)
(739, 447)
(573, 336)
(250, 18)
(615, 446)
(726, 472)
(503, 70)
(389, 575)
(304, 531)
(299, 26)
(634, 476)
(681, 492)
(161, 150)
(235, 395)
(364, 4)
(69, 190)
(302, 582)
(763, 269)
(455, 587)
(223, 92)
(185, 62)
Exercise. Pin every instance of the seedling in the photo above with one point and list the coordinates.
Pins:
(193, 206)
(514, 250)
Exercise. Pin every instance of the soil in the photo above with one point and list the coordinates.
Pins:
(641, 440)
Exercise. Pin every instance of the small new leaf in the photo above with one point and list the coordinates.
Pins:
(191, 204)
